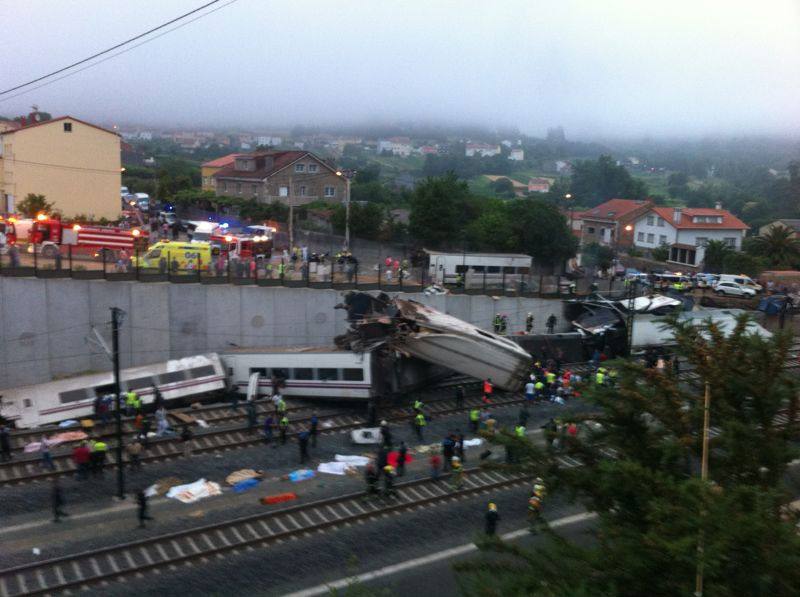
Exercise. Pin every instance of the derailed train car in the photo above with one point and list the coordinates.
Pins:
(417, 330)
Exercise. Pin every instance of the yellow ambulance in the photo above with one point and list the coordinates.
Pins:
(179, 255)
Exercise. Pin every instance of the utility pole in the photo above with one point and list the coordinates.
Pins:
(630, 316)
(116, 320)
(698, 582)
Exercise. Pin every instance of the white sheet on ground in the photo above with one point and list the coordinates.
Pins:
(192, 492)
(334, 468)
(352, 460)
(471, 443)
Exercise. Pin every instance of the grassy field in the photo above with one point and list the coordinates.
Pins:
(656, 181)
(398, 165)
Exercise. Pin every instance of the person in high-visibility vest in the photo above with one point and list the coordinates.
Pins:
(491, 519)
(474, 419)
(600, 377)
(519, 430)
(99, 450)
(539, 387)
(457, 476)
(283, 426)
(388, 480)
(418, 405)
(281, 406)
(419, 425)
(130, 402)
(550, 376)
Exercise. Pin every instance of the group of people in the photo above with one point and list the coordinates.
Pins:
(394, 268)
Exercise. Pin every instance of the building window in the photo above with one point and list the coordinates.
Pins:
(224, 187)
(330, 191)
(302, 190)
(730, 241)
(661, 222)
(700, 241)
(640, 237)
(650, 220)
(312, 168)
(299, 167)
(662, 239)
(67, 127)
(590, 230)
(651, 238)
(239, 188)
(283, 191)
(254, 189)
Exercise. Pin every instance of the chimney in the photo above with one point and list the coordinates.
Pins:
(676, 215)
(718, 206)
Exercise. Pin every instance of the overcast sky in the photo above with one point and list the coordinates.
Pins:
(610, 67)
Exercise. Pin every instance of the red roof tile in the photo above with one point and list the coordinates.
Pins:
(225, 160)
(281, 159)
(614, 209)
(729, 221)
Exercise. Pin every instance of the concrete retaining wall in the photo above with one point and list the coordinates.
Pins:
(44, 323)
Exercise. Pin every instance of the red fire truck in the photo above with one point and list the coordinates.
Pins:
(48, 235)
(242, 247)
(7, 227)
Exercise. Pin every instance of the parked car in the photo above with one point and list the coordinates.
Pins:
(734, 289)
(741, 280)
(706, 280)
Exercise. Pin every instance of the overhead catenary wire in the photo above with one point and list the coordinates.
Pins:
(47, 79)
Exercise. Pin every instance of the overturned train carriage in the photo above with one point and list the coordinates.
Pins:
(416, 330)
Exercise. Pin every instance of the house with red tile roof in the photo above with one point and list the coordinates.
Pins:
(686, 231)
(611, 223)
(209, 169)
(292, 177)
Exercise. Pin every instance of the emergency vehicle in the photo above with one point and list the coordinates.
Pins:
(8, 228)
(242, 247)
(188, 255)
(47, 235)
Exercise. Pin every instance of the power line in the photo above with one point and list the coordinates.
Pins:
(45, 83)
(106, 51)
(62, 167)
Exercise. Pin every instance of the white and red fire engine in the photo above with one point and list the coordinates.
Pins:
(235, 246)
(49, 235)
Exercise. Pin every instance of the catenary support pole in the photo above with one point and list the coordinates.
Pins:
(116, 316)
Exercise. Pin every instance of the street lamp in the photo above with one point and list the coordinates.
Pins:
(568, 197)
(347, 175)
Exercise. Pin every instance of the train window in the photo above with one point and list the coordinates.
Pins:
(171, 377)
(477, 268)
(353, 374)
(328, 374)
(204, 371)
(280, 373)
(462, 269)
(73, 395)
(27, 403)
(303, 374)
(138, 384)
(262, 371)
(508, 270)
(523, 270)
(493, 269)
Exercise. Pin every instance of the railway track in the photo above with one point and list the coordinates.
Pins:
(231, 438)
(88, 569)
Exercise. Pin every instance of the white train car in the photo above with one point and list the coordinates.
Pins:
(73, 398)
(327, 373)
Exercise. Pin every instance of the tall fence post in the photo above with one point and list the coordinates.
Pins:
(103, 256)
(228, 266)
(379, 273)
(504, 280)
(69, 258)
(169, 266)
(138, 262)
(484, 279)
(35, 261)
(199, 268)
(541, 289)
(356, 273)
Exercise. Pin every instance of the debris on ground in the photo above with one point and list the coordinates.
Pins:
(302, 474)
(279, 498)
(192, 492)
(242, 475)
(351, 459)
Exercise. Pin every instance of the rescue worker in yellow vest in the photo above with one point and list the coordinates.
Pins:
(539, 387)
(281, 271)
(491, 519)
(98, 456)
(519, 431)
(280, 407)
(457, 476)
(418, 406)
(283, 426)
(388, 480)
(474, 420)
(419, 425)
(539, 489)
(600, 376)
(612, 376)
(550, 377)
(131, 399)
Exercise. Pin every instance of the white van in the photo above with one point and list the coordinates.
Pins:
(740, 279)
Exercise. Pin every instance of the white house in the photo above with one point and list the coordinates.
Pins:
(484, 150)
(269, 140)
(517, 155)
(687, 230)
(396, 146)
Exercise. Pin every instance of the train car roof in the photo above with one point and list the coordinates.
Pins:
(288, 350)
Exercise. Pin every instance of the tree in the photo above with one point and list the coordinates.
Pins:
(490, 231)
(439, 210)
(539, 229)
(660, 253)
(639, 474)
(677, 184)
(34, 204)
(778, 246)
(737, 262)
(366, 220)
(595, 181)
(715, 253)
(597, 255)
(502, 187)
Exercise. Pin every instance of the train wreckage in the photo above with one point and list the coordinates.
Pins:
(416, 330)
